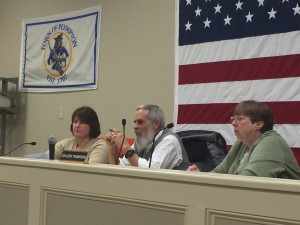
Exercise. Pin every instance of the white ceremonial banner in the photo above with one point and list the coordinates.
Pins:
(61, 52)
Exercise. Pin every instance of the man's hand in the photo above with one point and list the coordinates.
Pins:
(113, 149)
(115, 137)
(108, 138)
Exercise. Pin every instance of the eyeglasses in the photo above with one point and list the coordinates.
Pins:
(237, 119)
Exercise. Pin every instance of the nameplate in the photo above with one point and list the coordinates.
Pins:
(73, 156)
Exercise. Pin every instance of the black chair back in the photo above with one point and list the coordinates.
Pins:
(206, 149)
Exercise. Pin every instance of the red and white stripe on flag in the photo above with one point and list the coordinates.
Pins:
(212, 76)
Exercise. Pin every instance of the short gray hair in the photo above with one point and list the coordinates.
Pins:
(155, 113)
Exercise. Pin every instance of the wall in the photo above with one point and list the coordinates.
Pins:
(136, 67)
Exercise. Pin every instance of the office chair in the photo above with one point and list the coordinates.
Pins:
(206, 149)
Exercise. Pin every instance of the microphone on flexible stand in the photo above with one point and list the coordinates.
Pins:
(26, 143)
(123, 123)
(51, 141)
(169, 126)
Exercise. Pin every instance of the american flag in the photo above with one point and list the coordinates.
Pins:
(234, 50)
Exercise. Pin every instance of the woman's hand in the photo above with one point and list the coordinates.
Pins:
(193, 168)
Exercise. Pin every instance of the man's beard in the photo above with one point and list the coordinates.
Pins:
(144, 139)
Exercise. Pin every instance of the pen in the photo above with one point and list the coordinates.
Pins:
(111, 130)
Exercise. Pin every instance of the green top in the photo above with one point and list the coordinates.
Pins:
(270, 156)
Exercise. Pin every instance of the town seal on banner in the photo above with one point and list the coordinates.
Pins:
(57, 56)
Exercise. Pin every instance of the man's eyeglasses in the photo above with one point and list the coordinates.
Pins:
(237, 119)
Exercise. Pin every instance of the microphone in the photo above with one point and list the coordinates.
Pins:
(123, 124)
(169, 126)
(51, 141)
(26, 143)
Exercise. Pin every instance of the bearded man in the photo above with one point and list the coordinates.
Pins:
(149, 123)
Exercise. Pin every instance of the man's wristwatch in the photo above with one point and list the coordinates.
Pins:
(129, 153)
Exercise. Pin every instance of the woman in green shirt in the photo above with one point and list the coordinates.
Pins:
(259, 150)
